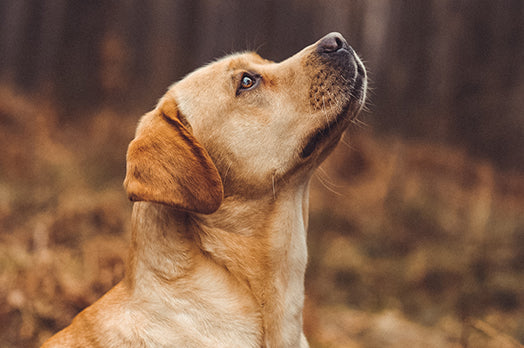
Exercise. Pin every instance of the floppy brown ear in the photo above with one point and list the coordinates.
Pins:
(166, 164)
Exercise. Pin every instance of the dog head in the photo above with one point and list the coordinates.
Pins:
(241, 124)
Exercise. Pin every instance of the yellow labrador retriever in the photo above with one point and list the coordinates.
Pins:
(219, 171)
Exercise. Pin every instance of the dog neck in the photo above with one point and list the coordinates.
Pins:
(259, 246)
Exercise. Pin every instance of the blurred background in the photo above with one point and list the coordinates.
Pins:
(417, 219)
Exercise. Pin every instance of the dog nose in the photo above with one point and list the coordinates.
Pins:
(331, 43)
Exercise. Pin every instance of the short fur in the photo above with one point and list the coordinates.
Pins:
(220, 176)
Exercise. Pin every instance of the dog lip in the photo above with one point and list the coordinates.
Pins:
(324, 132)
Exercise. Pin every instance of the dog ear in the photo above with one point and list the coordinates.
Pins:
(166, 164)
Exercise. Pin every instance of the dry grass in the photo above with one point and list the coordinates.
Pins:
(411, 244)
(426, 233)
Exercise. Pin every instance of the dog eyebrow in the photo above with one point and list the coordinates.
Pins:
(238, 64)
(246, 61)
(258, 59)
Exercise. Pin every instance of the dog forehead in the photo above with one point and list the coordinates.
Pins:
(244, 60)
(222, 67)
(233, 63)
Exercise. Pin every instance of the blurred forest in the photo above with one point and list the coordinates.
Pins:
(417, 219)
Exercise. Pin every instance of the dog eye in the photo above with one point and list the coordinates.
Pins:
(248, 81)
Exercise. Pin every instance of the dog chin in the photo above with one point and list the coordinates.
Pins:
(322, 135)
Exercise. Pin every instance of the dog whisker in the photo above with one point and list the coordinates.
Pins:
(359, 123)
(273, 183)
(345, 142)
(326, 181)
(226, 173)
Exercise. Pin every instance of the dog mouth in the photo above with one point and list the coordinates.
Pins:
(325, 132)
(344, 80)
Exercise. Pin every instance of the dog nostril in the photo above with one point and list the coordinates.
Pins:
(332, 43)
(338, 42)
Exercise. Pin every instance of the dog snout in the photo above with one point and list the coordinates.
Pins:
(337, 73)
(332, 43)
(335, 50)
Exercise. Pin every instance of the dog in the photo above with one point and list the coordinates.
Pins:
(219, 172)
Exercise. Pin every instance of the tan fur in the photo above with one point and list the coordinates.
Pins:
(220, 177)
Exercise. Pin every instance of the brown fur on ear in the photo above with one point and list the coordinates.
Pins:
(166, 164)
